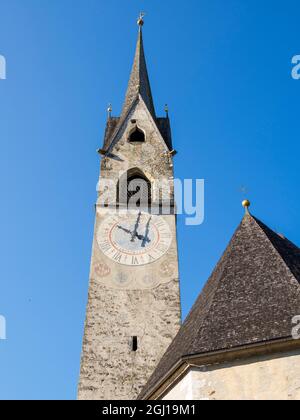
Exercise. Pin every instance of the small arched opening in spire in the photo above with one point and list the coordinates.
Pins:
(137, 136)
(134, 189)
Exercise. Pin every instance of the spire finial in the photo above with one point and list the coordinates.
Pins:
(246, 204)
(140, 20)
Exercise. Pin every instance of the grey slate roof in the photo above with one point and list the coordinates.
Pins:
(251, 297)
(138, 87)
(164, 127)
(139, 80)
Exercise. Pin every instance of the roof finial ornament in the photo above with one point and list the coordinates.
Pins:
(140, 20)
(246, 204)
(109, 110)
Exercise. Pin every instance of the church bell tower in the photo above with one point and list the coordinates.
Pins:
(133, 310)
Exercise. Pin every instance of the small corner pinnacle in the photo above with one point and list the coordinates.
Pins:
(167, 110)
(109, 111)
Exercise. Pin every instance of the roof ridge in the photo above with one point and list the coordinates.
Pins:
(259, 224)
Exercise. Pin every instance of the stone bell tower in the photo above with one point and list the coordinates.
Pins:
(133, 310)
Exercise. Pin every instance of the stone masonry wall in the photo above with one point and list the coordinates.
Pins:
(118, 307)
(110, 370)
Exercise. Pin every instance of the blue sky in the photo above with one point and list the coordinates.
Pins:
(224, 68)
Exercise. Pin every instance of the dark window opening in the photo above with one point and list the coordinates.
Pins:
(137, 136)
(139, 187)
(134, 191)
(134, 343)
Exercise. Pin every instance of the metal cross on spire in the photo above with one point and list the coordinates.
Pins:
(140, 20)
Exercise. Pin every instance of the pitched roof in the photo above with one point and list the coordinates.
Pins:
(139, 80)
(251, 297)
(111, 125)
(164, 127)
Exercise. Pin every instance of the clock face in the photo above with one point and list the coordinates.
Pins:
(134, 239)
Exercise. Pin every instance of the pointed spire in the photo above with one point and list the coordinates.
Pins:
(139, 81)
(138, 88)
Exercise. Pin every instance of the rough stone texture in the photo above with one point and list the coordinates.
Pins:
(115, 312)
(259, 378)
(110, 370)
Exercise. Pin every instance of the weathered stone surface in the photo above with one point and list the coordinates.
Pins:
(130, 301)
(258, 378)
(110, 369)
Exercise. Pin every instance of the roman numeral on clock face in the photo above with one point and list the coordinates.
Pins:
(105, 246)
(117, 257)
(134, 261)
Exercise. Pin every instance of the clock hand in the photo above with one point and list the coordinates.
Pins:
(134, 233)
(146, 237)
(125, 230)
(140, 237)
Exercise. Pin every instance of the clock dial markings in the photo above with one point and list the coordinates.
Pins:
(134, 261)
(134, 239)
(118, 256)
(150, 258)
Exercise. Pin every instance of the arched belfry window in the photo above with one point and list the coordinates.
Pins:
(137, 136)
(134, 190)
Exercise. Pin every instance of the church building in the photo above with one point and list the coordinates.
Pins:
(238, 342)
(241, 339)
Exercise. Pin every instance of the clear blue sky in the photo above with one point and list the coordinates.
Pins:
(224, 68)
